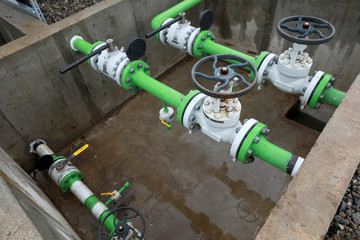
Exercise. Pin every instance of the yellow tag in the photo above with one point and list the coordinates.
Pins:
(81, 149)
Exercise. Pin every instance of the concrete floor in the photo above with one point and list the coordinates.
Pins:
(186, 186)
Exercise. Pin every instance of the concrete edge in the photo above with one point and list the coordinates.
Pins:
(307, 208)
(43, 31)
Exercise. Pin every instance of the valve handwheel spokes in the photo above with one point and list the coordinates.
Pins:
(224, 75)
(122, 227)
(305, 26)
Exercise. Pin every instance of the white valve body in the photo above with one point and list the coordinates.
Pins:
(289, 72)
(219, 126)
(112, 64)
(179, 35)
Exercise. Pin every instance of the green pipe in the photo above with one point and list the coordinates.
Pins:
(85, 47)
(212, 48)
(332, 96)
(136, 76)
(271, 153)
(173, 12)
(109, 222)
(255, 144)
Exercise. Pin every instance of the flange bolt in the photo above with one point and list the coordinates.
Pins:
(265, 131)
(256, 140)
(317, 105)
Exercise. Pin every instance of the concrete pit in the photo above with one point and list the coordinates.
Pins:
(186, 186)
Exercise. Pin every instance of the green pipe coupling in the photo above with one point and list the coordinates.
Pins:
(325, 93)
(252, 143)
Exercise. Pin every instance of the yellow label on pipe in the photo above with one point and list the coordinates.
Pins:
(108, 193)
(81, 149)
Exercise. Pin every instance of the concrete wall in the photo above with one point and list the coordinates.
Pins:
(36, 101)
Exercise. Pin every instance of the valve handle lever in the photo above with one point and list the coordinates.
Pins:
(84, 58)
(162, 27)
(80, 150)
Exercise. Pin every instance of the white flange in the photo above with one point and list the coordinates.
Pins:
(191, 107)
(241, 136)
(263, 66)
(310, 88)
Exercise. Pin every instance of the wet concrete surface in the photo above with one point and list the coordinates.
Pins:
(186, 186)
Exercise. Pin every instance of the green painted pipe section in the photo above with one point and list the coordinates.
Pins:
(271, 153)
(212, 48)
(158, 89)
(136, 76)
(109, 222)
(332, 96)
(173, 12)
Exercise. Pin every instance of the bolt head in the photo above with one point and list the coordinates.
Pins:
(203, 38)
(322, 96)
(224, 71)
(213, 38)
(200, 54)
(310, 78)
(317, 105)
(306, 25)
(230, 114)
(206, 102)
(237, 129)
(128, 80)
(328, 85)
(249, 160)
(304, 89)
(132, 70)
(147, 68)
(130, 88)
(200, 46)
(256, 140)
(218, 115)
(249, 152)
(140, 65)
(332, 80)
(265, 73)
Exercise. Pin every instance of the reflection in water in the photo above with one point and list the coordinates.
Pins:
(252, 211)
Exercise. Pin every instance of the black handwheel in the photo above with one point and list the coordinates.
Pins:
(121, 226)
(305, 26)
(224, 75)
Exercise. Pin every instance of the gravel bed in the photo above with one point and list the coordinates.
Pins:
(55, 10)
(346, 222)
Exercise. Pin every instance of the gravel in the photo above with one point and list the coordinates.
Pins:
(54, 10)
(346, 222)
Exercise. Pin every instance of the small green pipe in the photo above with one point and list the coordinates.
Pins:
(109, 222)
(127, 184)
(271, 153)
(332, 96)
(166, 107)
(83, 46)
(173, 12)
